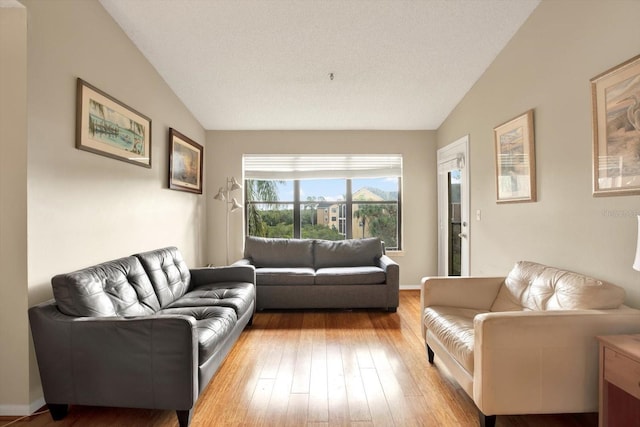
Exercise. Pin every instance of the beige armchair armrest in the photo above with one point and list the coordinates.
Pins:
(541, 361)
(466, 292)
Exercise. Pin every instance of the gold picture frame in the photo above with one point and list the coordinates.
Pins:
(615, 96)
(110, 128)
(185, 163)
(515, 160)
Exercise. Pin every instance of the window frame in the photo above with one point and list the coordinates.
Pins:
(296, 204)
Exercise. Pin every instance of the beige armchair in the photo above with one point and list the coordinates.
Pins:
(524, 343)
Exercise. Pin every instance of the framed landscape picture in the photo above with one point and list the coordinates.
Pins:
(110, 128)
(515, 160)
(615, 96)
(185, 163)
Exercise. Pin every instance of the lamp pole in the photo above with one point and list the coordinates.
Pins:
(228, 209)
(231, 204)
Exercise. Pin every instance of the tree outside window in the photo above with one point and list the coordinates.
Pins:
(331, 209)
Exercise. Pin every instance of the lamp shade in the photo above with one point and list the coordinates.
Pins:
(235, 185)
(636, 263)
(235, 205)
(220, 195)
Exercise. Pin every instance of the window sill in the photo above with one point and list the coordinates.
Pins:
(395, 253)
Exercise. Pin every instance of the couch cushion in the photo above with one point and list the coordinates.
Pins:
(350, 276)
(114, 288)
(532, 286)
(284, 276)
(347, 253)
(453, 327)
(168, 272)
(272, 252)
(214, 325)
(238, 296)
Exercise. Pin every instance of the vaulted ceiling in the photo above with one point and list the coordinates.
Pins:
(320, 64)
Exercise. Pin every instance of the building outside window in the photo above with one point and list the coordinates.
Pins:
(324, 197)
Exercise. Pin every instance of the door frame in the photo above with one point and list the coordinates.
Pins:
(453, 156)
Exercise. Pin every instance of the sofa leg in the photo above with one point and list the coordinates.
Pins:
(184, 417)
(58, 410)
(486, 420)
(392, 309)
(250, 321)
(430, 354)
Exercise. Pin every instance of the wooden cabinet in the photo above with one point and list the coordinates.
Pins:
(619, 381)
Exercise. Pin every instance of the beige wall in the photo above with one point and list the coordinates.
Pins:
(224, 157)
(547, 66)
(84, 208)
(14, 329)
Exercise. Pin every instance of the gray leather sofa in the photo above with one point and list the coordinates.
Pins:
(310, 273)
(142, 331)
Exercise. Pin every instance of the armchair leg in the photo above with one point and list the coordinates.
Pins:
(430, 354)
(58, 410)
(486, 420)
(184, 417)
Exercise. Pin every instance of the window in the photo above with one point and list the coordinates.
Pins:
(324, 197)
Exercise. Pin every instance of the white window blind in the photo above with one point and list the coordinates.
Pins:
(310, 166)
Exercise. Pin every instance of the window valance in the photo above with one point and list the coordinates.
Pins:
(317, 166)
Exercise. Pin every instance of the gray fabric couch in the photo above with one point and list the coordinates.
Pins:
(143, 331)
(310, 273)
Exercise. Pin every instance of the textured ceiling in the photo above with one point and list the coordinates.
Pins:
(257, 64)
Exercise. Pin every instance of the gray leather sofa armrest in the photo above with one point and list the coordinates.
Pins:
(389, 266)
(392, 270)
(236, 273)
(243, 261)
(146, 362)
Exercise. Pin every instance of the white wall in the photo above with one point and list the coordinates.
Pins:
(83, 208)
(547, 66)
(224, 157)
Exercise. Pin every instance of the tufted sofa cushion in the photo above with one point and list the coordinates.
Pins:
(214, 325)
(238, 296)
(273, 252)
(453, 327)
(532, 286)
(347, 253)
(168, 272)
(115, 288)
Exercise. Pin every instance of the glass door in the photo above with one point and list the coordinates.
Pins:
(454, 221)
(453, 209)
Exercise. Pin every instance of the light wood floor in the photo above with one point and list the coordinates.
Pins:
(324, 368)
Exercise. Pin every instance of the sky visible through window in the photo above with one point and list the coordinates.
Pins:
(332, 189)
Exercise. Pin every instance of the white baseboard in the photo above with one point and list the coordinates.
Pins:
(409, 287)
(21, 410)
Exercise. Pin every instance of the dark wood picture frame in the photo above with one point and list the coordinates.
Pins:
(186, 158)
(110, 128)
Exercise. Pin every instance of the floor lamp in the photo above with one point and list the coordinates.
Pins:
(636, 262)
(231, 204)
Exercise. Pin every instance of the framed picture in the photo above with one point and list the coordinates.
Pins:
(185, 163)
(110, 128)
(615, 96)
(515, 160)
